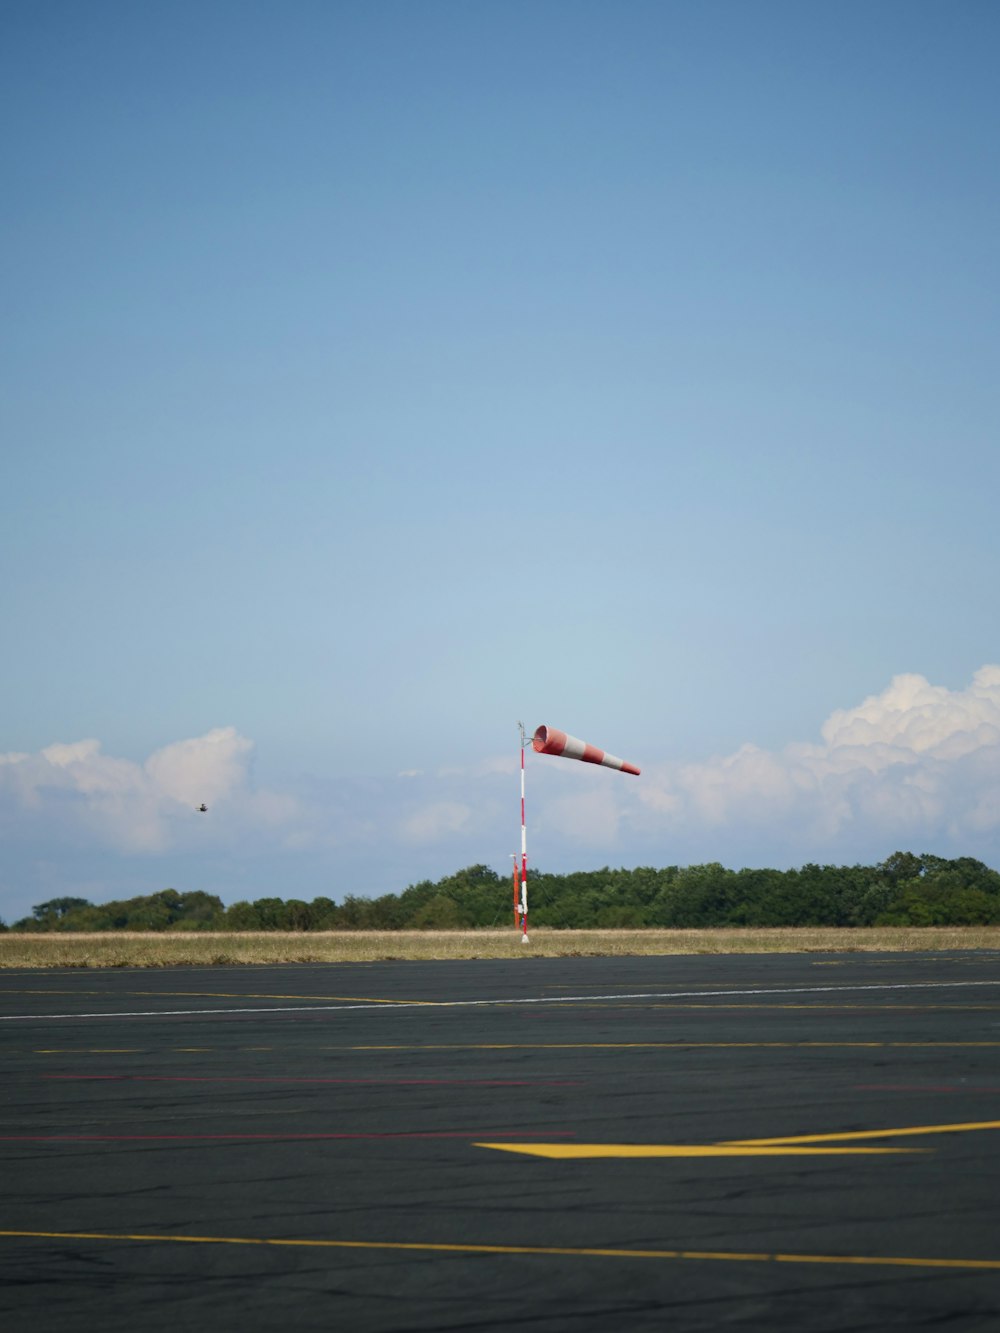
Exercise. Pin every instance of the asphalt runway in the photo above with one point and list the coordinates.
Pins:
(805, 1142)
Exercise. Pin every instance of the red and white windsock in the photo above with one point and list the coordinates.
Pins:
(549, 740)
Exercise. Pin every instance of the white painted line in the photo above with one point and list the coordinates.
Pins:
(536, 999)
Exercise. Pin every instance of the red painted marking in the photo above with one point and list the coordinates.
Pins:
(921, 1087)
(277, 1138)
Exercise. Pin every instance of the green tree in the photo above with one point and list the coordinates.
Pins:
(942, 893)
(354, 913)
(270, 913)
(298, 915)
(324, 912)
(905, 889)
(56, 909)
(199, 911)
(475, 892)
(440, 913)
(241, 916)
(700, 896)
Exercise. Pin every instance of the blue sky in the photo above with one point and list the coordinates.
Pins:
(379, 374)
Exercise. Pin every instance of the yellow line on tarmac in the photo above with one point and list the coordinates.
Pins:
(776, 1147)
(665, 1045)
(964, 1128)
(212, 995)
(573, 1252)
(265, 995)
(579, 1046)
(578, 1151)
(812, 1008)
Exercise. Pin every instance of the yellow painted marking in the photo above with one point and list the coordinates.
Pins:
(94, 1050)
(210, 995)
(778, 1147)
(263, 995)
(667, 1045)
(575, 1151)
(115, 1050)
(191, 1050)
(820, 1008)
(575, 1046)
(967, 1127)
(578, 1252)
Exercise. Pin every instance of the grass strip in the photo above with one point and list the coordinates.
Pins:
(229, 948)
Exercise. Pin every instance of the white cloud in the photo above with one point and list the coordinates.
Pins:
(919, 717)
(131, 807)
(206, 769)
(589, 818)
(917, 761)
(434, 821)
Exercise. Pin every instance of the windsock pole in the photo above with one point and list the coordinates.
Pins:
(524, 852)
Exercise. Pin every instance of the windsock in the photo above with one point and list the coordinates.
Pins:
(548, 740)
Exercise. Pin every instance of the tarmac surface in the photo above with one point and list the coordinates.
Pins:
(800, 1142)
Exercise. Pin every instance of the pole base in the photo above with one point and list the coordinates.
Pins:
(524, 939)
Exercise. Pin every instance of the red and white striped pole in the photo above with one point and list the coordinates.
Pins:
(524, 851)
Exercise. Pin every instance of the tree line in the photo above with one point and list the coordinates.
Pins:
(904, 890)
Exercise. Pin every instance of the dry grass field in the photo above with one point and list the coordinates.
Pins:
(229, 948)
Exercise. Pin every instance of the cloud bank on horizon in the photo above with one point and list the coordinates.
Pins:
(915, 766)
(74, 792)
(918, 761)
